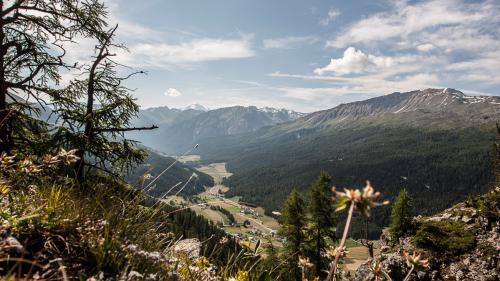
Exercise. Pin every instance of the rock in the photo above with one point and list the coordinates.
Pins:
(14, 246)
(477, 262)
(466, 219)
(188, 247)
(386, 239)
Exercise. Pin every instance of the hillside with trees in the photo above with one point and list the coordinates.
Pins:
(438, 157)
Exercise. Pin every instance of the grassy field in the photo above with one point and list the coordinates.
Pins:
(216, 170)
(189, 158)
(358, 254)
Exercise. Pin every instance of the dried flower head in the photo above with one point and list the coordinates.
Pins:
(68, 156)
(304, 262)
(363, 201)
(377, 270)
(415, 260)
(223, 240)
(28, 167)
(332, 252)
(6, 160)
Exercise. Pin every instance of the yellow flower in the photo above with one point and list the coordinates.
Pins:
(202, 262)
(4, 188)
(246, 244)
(242, 275)
(184, 271)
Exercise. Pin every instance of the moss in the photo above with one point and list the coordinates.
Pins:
(444, 236)
(487, 204)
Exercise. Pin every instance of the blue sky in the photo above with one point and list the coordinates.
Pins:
(304, 55)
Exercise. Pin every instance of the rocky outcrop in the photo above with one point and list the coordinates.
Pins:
(464, 244)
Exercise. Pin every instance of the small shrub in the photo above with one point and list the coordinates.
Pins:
(486, 204)
(444, 235)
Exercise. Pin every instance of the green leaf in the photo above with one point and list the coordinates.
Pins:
(257, 246)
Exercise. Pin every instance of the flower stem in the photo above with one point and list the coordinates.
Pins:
(409, 273)
(333, 266)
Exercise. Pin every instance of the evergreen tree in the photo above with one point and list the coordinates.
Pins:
(402, 214)
(293, 222)
(322, 221)
(33, 37)
(496, 164)
(97, 127)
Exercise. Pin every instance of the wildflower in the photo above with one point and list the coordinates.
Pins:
(304, 262)
(242, 275)
(415, 261)
(6, 160)
(4, 188)
(69, 156)
(224, 240)
(246, 244)
(202, 262)
(376, 269)
(334, 251)
(27, 166)
(363, 201)
(49, 160)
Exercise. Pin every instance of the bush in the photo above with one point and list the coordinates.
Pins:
(444, 236)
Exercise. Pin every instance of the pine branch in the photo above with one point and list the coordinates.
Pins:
(125, 129)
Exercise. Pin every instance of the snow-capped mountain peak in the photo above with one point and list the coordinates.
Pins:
(196, 106)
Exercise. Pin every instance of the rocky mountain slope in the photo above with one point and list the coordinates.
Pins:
(446, 102)
(460, 243)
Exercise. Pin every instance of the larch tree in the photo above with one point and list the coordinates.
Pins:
(292, 224)
(33, 34)
(322, 221)
(97, 126)
(402, 215)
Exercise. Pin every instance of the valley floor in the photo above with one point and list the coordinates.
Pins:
(261, 227)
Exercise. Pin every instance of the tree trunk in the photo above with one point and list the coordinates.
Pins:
(4, 138)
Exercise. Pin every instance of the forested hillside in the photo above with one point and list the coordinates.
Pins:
(440, 154)
(176, 177)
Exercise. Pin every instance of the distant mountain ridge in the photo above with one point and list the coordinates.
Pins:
(180, 129)
(474, 108)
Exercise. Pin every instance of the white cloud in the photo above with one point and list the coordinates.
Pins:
(354, 61)
(405, 20)
(289, 42)
(171, 92)
(164, 55)
(332, 15)
(427, 47)
(367, 87)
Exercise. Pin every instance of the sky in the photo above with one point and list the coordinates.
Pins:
(304, 55)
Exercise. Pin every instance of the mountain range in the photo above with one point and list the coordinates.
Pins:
(436, 143)
(181, 129)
